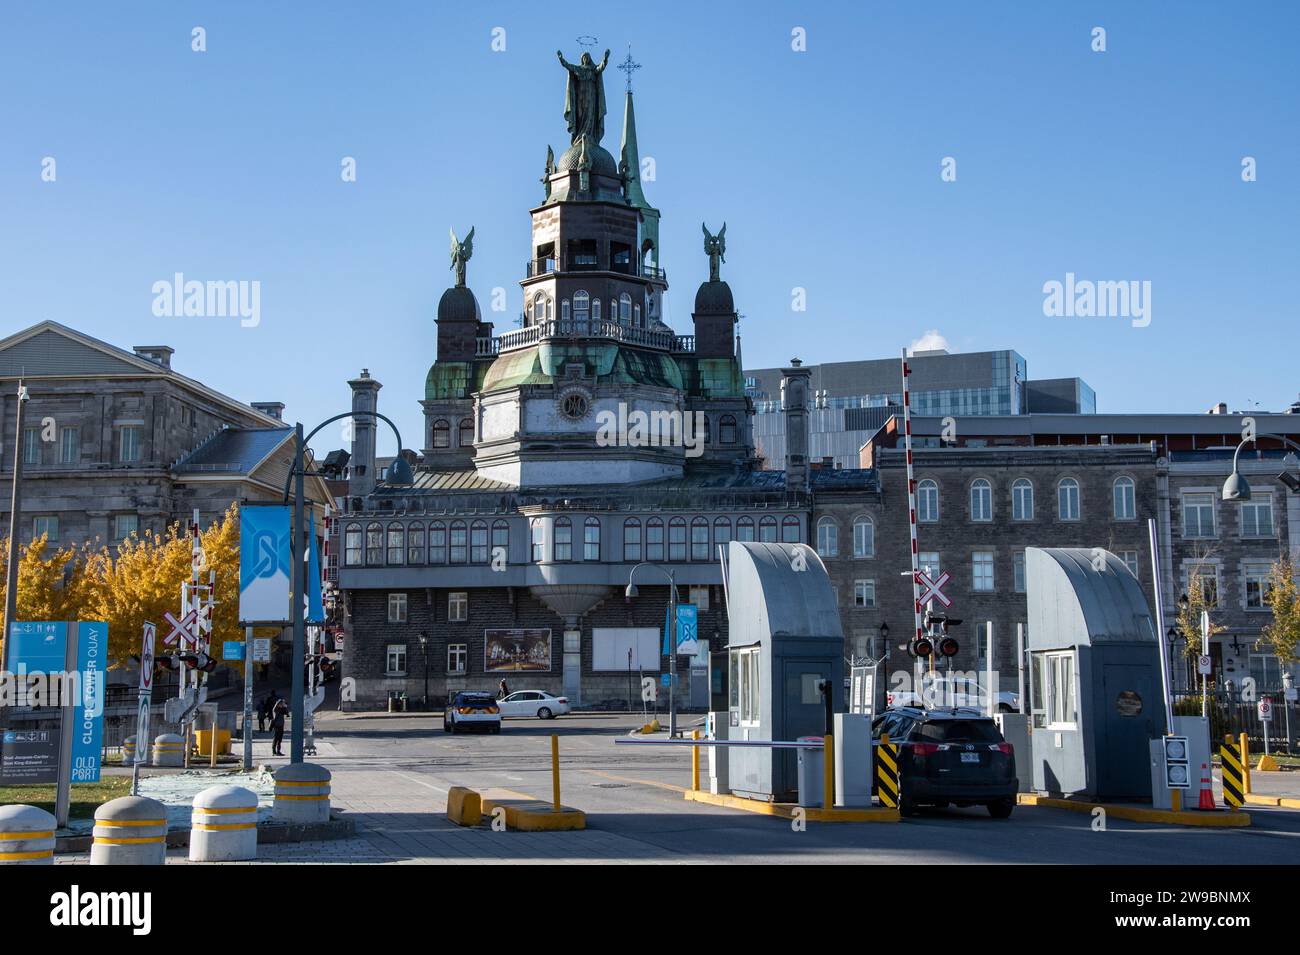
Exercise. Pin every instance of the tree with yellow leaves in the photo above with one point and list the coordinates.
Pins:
(1283, 635)
(141, 582)
(1189, 615)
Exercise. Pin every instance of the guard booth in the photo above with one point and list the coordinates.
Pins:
(1096, 687)
(785, 639)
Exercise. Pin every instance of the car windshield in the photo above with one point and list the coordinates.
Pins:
(959, 731)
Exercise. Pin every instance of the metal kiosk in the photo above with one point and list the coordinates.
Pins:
(785, 640)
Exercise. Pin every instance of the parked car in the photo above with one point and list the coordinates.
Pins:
(954, 756)
(470, 712)
(945, 692)
(544, 706)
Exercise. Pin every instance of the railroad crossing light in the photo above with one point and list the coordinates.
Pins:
(920, 647)
(199, 661)
(948, 646)
(165, 662)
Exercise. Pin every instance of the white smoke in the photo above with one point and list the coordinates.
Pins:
(932, 340)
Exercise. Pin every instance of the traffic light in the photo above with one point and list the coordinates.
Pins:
(166, 662)
(948, 646)
(921, 647)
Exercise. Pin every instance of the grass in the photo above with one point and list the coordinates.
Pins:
(86, 797)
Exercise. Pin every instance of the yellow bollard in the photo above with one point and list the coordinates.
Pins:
(555, 772)
(695, 763)
(1176, 800)
(828, 771)
(1245, 763)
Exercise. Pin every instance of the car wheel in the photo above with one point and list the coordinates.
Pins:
(544, 713)
(450, 728)
(496, 730)
(1001, 809)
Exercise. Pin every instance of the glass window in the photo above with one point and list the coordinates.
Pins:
(581, 306)
(458, 548)
(1259, 584)
(352, 545)
(500, 541)
(124, 525)
(790, 529)
(1059, 687)
(1022, 500)
(1266, 671)
(1198, 515)
(1130, 558)
(721, 533)
(864, 593)
(395, 660)
(437, 543)
(415, 543)
(749, 698)
(1018, 570)
(745, 529)
(828, 538)
(982, 571)
(478, 542)
(1067, 500)
(441, 434)
(47, 526)
(457, 657)
(397, 608)
(981, 501)
(538, 541)
(374, 544)
(864, 537)
(563, 539)
(1207, 577)
(625, 308)
(767, 530)
(396, 544)
(727, 429)
(595, 309)
(632, 540)
(457, 606)
(1124, 493)
(1257, 518)
(129, 444)
(69, 445)
(591, 539)
(465, 435)
(930, 559)
(677, 539)
(654, 539)
(31, 445)
(699, 538)
(927, 502)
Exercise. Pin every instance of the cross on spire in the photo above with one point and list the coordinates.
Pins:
(629, 66)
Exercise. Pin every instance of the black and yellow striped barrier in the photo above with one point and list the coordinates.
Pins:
(886, 783)
(1234, 785)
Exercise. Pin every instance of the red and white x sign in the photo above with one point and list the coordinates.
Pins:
(933, 588)
(182, 629)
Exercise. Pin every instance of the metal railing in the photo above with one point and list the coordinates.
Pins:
(614, 331)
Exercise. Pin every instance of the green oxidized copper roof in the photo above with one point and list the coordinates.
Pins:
(451, 379)
(712, 377)
(609, 363)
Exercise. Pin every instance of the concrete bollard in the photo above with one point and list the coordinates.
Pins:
(169, 750)
(26, 836)
(223, 827)
(302, 793)
(131, 830)
(128, 751)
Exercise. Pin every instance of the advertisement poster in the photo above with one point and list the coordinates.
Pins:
(265, 576)
(514, 651)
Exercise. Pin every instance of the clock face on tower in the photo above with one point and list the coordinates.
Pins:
(574, 402)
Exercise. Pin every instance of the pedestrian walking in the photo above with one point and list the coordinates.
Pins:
(505, 690)
(278, 715)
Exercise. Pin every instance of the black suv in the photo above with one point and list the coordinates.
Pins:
(950, 756)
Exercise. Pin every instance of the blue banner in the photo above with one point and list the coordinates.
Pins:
(265, 574)
(88, 728)
(315, 605)
(688, 629)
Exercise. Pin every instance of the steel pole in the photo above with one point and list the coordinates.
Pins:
(298, 555)
(672, 657)
(15, 511)
(248, 699)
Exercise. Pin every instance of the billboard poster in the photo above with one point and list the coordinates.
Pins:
(517, 650)
(315, 605)
(265, 575)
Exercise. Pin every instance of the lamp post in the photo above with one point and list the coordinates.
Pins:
(15, 507)
(1237, 488)
(631, 593)
(884, 638)
(398, 474)
(424, 645)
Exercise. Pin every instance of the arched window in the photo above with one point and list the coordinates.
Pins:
(374, 544)
(745, 529)
(459, 548)
(478, 542)
(699, 538)
(981, 500)
(563, 534)
(581, 306)
(631, 540)
(767, 530)
(927, 502)
(595, 309)
(864, 537)
(1125, 494)
(465, 434)
(441, 434)
(828, 538)
(539, 308)
(538, 538)
(625, 308)
(790, 529)
(352, 545)
(654, 539)
(677, 540)
(437, 543)
(721, 533)
(500, 541)
(1022, 500)
(727, 429)
(415, 543)
(1067, 499)
(591, 539)
(564, 311)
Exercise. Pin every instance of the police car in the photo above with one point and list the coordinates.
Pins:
(472, 712)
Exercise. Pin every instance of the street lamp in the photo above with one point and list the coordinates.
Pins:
(399, 473)
(1237, 488)
(424, 645)
(631, 592)
(15, 508)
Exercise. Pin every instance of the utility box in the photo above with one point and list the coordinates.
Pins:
(1015, 730)
(718, 754)
(786, 640)
(1098, 693)
(853, 772)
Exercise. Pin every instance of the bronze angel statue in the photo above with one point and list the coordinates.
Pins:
(460, 254)
(715, 247)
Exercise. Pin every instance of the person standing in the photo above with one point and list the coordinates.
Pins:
(278, 714)
(505, 690)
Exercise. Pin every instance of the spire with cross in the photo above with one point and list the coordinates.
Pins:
(629, 66)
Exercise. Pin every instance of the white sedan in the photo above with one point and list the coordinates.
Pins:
(544, 706)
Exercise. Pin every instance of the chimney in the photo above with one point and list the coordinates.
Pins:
(365, 401)
(794, 405)
(158, 354)
(1220, 408)
(273, 408)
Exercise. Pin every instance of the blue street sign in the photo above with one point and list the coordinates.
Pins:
(315, 606)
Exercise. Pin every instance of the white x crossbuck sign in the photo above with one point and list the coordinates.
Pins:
(182, 629)
(933, 588)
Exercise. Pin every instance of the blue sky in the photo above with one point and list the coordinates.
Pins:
(825, 164)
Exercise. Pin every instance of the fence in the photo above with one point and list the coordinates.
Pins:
(1231, 715)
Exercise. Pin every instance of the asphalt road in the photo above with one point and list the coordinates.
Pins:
(636, 794)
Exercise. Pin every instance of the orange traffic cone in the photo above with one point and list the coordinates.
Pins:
(1207, 789)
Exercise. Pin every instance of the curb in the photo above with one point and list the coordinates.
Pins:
(267, 832)
(787, 811)
(1220, 819)
(1284, 802)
